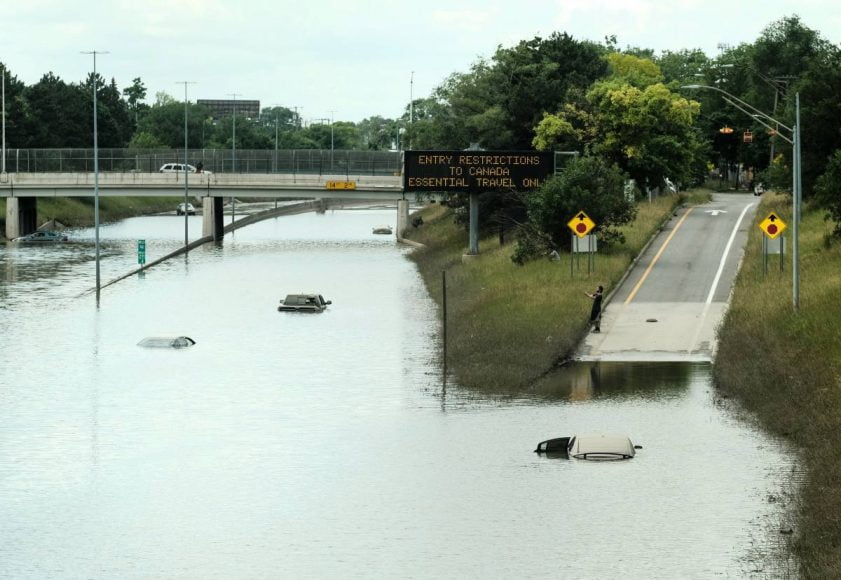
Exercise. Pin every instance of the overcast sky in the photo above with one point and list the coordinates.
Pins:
(354, 57)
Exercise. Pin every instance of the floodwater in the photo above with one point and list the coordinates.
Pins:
(288, 445)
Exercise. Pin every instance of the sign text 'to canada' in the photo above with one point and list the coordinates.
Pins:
(476, 171)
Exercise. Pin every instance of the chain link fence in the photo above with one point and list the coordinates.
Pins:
(308, 161)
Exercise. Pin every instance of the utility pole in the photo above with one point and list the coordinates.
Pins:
(3, 72)
(234, 155)
(331, 140)
(186, 170)
(411, 106)
(95, 171)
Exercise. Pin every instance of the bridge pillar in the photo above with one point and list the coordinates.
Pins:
(402, 216)
(21, 216)
(213, 218)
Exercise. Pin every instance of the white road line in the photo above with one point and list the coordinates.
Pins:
(717, 279)
(727, 251)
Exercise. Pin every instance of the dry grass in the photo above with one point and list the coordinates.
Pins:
(785, 366)
(507, 324)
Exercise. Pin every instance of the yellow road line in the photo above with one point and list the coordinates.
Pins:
(656, 257)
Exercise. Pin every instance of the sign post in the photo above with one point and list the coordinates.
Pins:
(474, 173)
(141, 252)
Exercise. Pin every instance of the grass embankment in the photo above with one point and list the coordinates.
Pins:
(785, 367)
(509, 324)
(78, 211)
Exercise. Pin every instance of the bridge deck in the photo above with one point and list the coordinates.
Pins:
(271, 185)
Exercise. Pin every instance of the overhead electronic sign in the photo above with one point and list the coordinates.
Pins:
(476, 171)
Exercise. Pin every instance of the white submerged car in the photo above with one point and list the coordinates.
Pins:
(590, 446)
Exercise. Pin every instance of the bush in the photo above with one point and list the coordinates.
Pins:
(828, 191)
(588, 184)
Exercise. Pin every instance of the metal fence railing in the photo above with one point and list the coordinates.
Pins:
(309, 161)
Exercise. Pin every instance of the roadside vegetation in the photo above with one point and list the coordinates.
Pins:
(507, 324)
(784, 366)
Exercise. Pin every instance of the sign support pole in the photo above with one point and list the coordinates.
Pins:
(473, 249)
(572, 256)
(764, 256)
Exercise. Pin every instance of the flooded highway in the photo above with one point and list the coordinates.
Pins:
(327, 445)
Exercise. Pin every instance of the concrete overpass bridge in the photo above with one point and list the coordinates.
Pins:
(22, 190)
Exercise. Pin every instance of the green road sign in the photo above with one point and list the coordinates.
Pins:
(141, 252)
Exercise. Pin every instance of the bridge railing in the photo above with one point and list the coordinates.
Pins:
(307, 161)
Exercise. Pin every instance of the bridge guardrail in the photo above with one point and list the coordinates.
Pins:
(288, 161)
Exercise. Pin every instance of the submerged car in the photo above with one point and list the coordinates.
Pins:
(45, 236)
(590, 446)
(188, 209)
(166, 342)
(382, 230)
(303, 303)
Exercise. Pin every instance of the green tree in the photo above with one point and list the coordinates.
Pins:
(588, 183)
(17, 125)
(376, 133)
(682, 67)
(828, 191)
(646, 132)
(144, 140)
(58, 114)
(164, 124)
(135, 93)
(498, 102)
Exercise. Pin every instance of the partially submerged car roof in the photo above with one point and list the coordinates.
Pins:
(601, 446)
(166, 342)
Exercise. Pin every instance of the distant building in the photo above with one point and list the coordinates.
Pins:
(225, 107)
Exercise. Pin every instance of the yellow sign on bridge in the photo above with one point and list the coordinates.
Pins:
(340, 185)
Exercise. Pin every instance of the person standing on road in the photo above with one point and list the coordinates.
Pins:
(596, 311)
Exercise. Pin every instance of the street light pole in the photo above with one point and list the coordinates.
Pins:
(411, 105)
(186, 172)
(331, 141)
(95, 171)
(797, 184)
(3, 72)
(234, 155)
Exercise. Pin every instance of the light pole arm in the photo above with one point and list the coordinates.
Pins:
(758, 120)
(744, 104)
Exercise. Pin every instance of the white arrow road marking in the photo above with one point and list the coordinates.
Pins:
(716, 211)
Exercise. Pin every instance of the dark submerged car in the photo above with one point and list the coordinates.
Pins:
(303, 303)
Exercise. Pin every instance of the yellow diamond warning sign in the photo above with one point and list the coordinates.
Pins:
(581, 224)
(772, 225)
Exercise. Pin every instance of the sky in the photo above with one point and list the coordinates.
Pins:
(350, 59)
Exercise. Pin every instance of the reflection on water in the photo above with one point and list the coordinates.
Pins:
(325, 445)
(597, 380)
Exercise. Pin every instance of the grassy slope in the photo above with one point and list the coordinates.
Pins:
(78, 211)
(785, 367)
(507, 324)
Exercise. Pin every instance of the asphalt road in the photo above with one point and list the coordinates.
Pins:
(668, 307)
